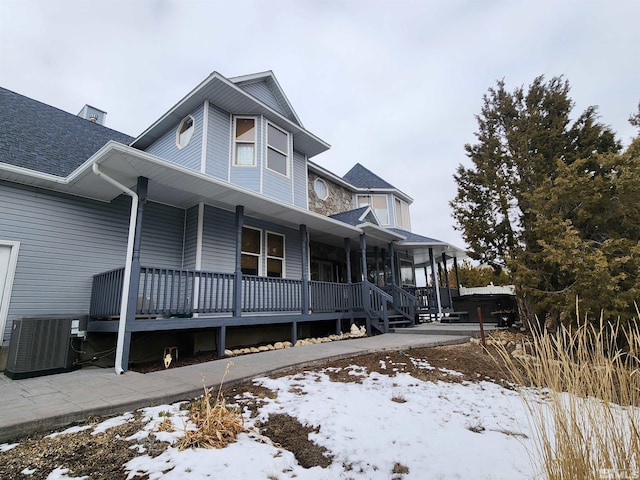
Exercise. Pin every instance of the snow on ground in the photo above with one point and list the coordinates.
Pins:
(425, 430)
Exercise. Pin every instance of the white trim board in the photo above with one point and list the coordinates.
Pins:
(5, 290)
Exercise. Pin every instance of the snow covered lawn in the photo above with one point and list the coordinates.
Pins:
(382, 426)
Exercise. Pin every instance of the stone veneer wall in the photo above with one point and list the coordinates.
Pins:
(338, 200)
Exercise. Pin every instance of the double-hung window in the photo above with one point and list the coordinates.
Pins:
(255, 254)
(378, 204)
(277, 150)
(251, 251)
(275, 255)
(402, 214)
(245, 141)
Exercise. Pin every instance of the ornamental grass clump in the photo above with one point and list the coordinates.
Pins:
(585, 405)
(215, 425)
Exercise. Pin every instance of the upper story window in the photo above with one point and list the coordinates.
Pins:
(321, 189)
(402, 214)
(245, 142)
(185, 131)
(277, 150)
(378, 204)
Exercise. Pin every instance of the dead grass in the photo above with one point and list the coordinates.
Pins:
(589, 424)
(215, 425)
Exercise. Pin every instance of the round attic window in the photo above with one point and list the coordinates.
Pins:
(185, 131)
(321, 189)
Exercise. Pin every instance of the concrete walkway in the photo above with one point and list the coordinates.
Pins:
(47, 402)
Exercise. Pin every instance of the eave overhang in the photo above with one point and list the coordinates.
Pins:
(178, 186)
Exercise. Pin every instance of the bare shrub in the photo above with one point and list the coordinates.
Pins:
(215, 424)
(588, 424)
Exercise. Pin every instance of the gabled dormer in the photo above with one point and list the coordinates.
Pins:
(242, 130)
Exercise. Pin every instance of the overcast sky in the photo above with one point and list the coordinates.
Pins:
(393, 85)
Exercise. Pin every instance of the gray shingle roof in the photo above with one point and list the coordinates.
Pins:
(43, 138)
(352, 217)
(361, 177)
(414, 237)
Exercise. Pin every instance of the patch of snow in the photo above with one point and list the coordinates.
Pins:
(5, 447)
(112, 422)
(61, 474)
(75, 429)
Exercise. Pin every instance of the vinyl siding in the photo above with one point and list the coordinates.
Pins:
(162, 236)
(218, 139)
(65, 240)
(300, 193)
(190, 238)
(262, 92)
(189, 156)
(219, 242)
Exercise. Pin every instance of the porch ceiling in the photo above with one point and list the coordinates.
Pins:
(175, 185)
(420, 251)
(182, 187)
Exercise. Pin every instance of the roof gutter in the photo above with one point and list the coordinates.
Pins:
(124, 303)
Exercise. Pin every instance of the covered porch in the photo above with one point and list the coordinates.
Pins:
(155, 298)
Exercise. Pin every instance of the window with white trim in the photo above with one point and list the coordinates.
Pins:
(185, 131)
(277, 150)
(402, 214)
(275, 255)
(321, 188)
(378, 204)
(244, 153)
(255, 254)
(251, 251)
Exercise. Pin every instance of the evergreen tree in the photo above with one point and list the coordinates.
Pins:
(537, 198)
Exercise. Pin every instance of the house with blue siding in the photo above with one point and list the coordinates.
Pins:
(212, 229)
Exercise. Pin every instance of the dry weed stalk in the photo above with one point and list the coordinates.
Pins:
(215, 424)
(589, 425)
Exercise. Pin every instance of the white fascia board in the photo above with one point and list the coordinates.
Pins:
(177, 106)
(330, 175)
(27, 172)
(366, 212)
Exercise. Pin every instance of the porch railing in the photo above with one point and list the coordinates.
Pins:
(267, 294)
(167, 292)
(335, 297)
(106, 293)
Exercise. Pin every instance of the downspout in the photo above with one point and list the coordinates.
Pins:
(127, 266)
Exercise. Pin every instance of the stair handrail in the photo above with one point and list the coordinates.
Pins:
(378, 303)
(404, 303)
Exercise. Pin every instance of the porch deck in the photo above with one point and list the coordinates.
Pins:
(174, 299)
